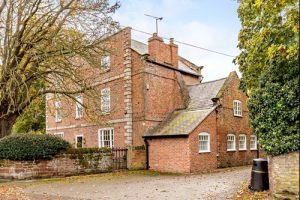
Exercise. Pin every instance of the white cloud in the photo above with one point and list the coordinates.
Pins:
(194, 32)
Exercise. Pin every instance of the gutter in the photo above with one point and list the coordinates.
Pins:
(172, 67)
(164, 136)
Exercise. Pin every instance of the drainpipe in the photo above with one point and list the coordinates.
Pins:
(257, 146)
(147, 153)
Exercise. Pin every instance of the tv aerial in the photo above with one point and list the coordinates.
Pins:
(156, 20)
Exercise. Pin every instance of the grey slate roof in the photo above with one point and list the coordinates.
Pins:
(139, 47)
(180, 122)
(201, 94)
(183, 122)
(142, 49)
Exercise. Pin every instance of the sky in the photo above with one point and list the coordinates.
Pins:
(211, 24)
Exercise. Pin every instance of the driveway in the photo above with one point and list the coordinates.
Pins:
(135, 185)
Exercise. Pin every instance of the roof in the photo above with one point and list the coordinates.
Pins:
(183, 122)
(142, 49)
(180, 122)
(201, 94)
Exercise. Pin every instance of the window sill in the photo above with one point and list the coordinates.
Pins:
(103, 71)
(203, 152)
(58, 121)
(242, 149)
(105, 113)
(240, 116)
(230, 150)
(253, 149)
(77, 118)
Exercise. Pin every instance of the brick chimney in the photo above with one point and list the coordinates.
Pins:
(162, 52)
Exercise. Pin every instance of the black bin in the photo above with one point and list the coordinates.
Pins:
(259, 175)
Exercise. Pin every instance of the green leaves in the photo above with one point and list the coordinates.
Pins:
(31, 147)
(267, 26)
(269, 59)
(274, 107)
(33, 118)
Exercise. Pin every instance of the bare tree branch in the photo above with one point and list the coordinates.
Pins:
(43, 41)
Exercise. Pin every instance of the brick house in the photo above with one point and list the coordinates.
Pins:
(141, 87)
(211, 132)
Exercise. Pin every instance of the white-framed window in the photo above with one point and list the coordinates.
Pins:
(237, 108)
(106, 137)
(59, 134)
(105, 100)
(79, 107)
(204, 142)
(253, 142)
(58, 111)
(242, 142)
(105, 62)
(79, 141)
(230, 142)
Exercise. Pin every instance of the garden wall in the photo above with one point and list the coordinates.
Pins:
(60, 166)
(136, 157)
(284, 176)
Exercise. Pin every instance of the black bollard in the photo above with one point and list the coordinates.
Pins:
(259, 175)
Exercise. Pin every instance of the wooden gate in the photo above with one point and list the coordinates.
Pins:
(119, 158)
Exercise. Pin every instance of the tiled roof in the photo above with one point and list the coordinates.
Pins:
(180, 122)
(142, 49)
(139, 47)
(201, 94)
(183, 122)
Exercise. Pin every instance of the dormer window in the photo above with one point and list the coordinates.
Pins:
(237, 108)
(105, 62)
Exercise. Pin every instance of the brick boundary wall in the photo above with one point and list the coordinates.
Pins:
(284, 176)
(60, 166)
(137, 157)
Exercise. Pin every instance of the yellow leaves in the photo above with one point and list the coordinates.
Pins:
(258, 3)
(275, 49)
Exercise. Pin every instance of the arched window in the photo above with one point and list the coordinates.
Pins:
(230, 142)
(242, 142)
(204, 142)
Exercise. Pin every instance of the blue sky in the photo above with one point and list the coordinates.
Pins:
(212, 24)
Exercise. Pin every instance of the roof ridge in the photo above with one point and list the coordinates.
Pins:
(138, 41)
(208, 82)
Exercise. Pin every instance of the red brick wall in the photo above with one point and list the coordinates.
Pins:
(155, 93)
(201, 162)
(88, 125)
(169, 155)
(90, 134)
(61, 165)
(162, 52)
(227, 123)
(191, 80)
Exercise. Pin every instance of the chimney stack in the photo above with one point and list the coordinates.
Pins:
(161, 52)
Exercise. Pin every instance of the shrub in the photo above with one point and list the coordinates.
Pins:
(31, 147)
(274, 107)
(88, 150)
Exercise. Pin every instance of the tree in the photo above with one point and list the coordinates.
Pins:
(269, 59)
(33, 118)
(43, 42)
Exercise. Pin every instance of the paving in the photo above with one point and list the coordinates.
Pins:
(134, 185)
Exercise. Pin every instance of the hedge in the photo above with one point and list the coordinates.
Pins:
(31, 146)
(88, 150)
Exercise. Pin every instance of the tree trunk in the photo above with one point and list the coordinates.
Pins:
(6, 125)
